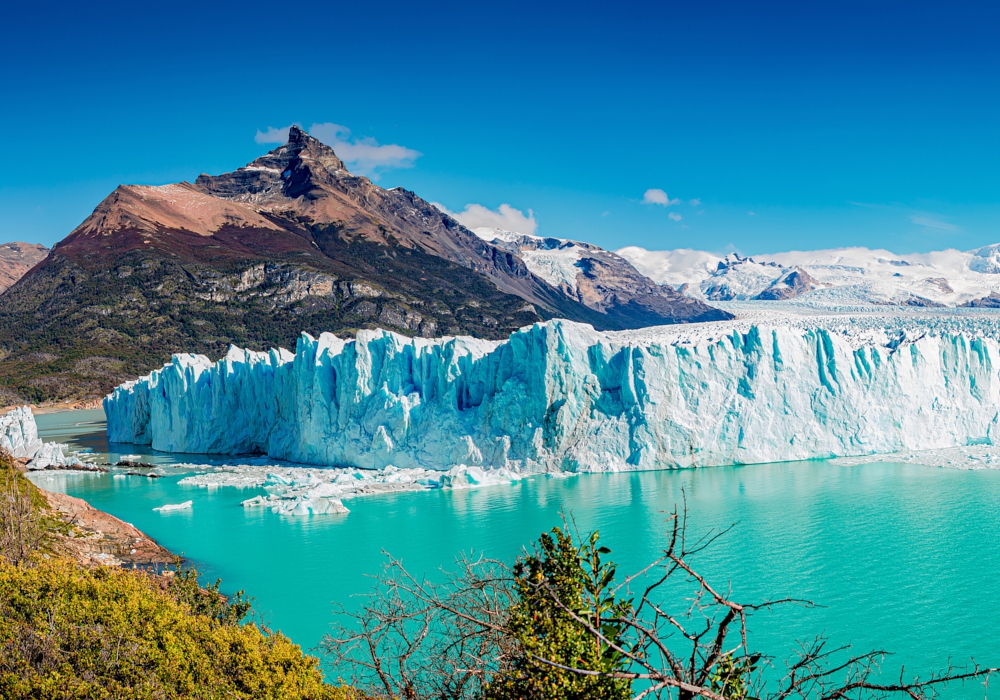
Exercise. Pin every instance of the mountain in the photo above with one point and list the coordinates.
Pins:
(843, 276)
(739, 278)
(601, 280)
(16, 259)
(291, 242)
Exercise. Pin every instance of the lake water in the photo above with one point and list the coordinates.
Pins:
(902, 557)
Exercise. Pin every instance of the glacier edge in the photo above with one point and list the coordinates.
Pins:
(559, 396)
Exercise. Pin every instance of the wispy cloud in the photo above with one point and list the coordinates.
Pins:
(363, 156)
(675, 216)
(929, 221)
(695, 202)
(657, 196)
(751, 213)
(272, 135)
(505, 217)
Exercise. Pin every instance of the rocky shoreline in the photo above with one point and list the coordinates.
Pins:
(95, 537)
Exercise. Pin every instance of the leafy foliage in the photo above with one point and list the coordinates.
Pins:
(71, 632)
(67, 631)
(205, 599)
(557, 586)
(22, 516)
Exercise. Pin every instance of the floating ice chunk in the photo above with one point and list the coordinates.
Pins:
(52, 454)
(175, 506)
(464, 477)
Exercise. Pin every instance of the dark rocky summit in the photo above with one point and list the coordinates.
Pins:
(291, 242)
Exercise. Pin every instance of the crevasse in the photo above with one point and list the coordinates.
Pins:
(559, 396)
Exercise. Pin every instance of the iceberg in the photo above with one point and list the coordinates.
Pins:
(186, 505)
(561, 397)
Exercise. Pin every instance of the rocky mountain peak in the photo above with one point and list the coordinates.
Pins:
(298, 168)
(308, 148)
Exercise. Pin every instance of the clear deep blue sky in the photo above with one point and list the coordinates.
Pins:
(852, 123)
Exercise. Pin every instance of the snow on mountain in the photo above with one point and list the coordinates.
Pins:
(559, 396)
(842, 276)
(599, 279)
(553, 259)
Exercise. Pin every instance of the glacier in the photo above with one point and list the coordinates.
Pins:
(851, 275)
(19, 433)
(19, 437)
(561, 397)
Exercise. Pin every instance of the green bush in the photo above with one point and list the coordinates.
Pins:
(561, 589)
(71, 632)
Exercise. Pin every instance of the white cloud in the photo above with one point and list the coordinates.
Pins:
(675, 216)
(272, 135)
(505, 216)
(751, 213)
(363, 156)
(695, 202)
(656, 196)
(933, 223)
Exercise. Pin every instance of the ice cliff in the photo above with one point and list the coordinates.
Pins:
(19, 434)
(560, 396)
(19, 437)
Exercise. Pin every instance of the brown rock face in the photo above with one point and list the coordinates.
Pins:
(992, 301)
(99, 538)
(609, 284)
(791, 284)
(16, 259)
(306, 181)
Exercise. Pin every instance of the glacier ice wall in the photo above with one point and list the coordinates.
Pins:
(19, 437)
(19, 433)
(561, 396)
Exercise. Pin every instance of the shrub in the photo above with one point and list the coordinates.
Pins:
(559, 587)
(71, 632)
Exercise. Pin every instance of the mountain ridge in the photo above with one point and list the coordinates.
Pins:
(837, 276)
(291, 242)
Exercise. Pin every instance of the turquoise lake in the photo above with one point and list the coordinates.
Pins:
(901, 557)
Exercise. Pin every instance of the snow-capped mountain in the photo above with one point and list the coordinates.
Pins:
(835, 276)
(600, 280)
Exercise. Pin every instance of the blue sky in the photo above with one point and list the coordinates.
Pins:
(791, 125)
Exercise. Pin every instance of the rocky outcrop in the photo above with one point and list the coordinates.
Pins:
(305, 180)
(602, 280)
(91, 536)
(791, 284)
(991, 301)
(16, 259)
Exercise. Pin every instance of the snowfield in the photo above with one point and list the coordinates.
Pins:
(805, 382)
(848, 275)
